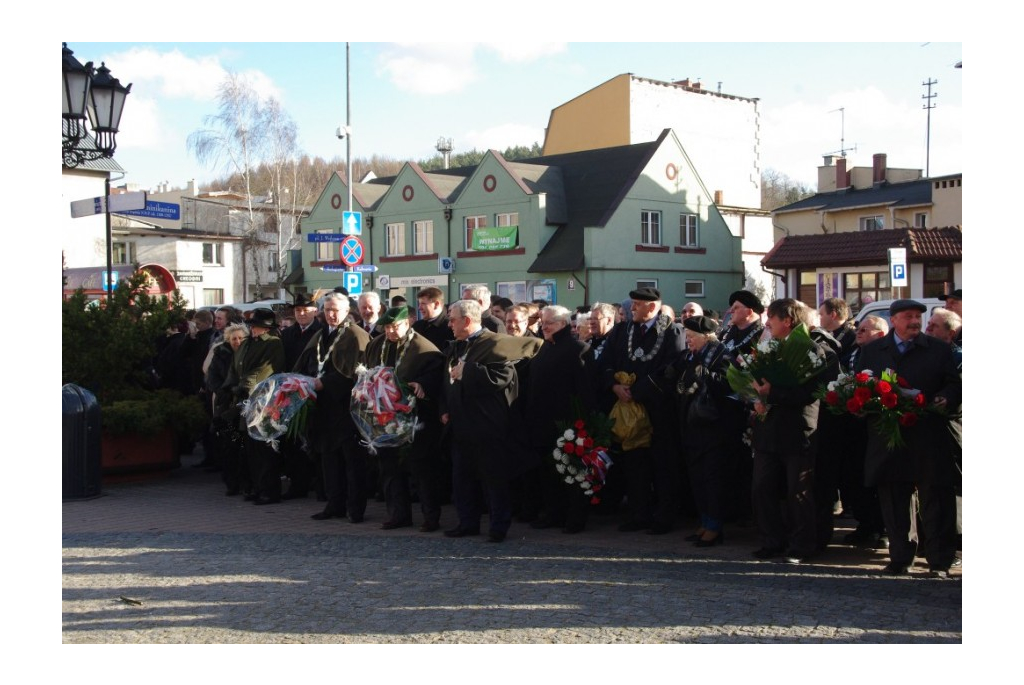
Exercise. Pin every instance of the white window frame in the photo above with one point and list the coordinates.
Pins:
(507, 219)
(217, 256)
(921, 220)
(468, 225)
(689, 230)
(872, 223)
(212, 296)
(650, 227)
(423, 237)
(647, 283)
(697, 291)
(325, 252)
(127, 247)
(394, 239)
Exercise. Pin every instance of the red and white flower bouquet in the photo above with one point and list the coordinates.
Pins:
(279, 405)
(581, 453)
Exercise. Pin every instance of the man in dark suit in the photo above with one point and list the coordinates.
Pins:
(332, 356)
(646, 345)
(369, 313)
(433, 322)
(785, 445)
(479, 387)
(928, 461)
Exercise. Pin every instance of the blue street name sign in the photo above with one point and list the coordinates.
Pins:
(365, 268)
(157, 210)
(325, 238)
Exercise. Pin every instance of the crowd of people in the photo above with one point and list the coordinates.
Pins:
(495, 381)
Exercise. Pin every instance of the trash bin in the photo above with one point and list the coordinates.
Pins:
(82, 477)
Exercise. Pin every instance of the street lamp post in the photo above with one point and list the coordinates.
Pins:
(92, 93)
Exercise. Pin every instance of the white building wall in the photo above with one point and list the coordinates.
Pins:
(721, 135)
(83, 240)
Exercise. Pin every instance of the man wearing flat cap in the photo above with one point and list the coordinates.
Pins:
(645, 345)
(927, 462)
(419, 365)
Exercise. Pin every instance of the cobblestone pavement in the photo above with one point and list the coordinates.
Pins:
(175, 561)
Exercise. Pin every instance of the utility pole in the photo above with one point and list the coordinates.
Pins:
(928, 105)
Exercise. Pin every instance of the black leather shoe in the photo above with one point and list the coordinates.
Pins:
(461, 532)
(896, 570)
(259, 501)
(882, 542)
(709, 542)
(794, 557)
(324, 515)
(633, 526)
(429, 526)
(768, 552)
(391, 525)
(496, 536)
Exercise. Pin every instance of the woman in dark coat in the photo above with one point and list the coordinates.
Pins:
(703, 389)
(558, 375)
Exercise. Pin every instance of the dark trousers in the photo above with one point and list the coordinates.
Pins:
(783, 499)
(938, 517)
(637, 468)
(708, 468)
(564, 504)
(297, 466)
(230, 445)
(264, 468)
(471, 482)
(346, 479)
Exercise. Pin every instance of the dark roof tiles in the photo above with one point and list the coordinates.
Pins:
(865, 247)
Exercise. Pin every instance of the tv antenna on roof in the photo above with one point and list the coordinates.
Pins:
(842, 134)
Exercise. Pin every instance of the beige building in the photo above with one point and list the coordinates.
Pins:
(872, 198)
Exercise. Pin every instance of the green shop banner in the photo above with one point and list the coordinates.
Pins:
(498, 238)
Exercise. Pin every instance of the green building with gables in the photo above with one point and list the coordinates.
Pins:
(572, 229)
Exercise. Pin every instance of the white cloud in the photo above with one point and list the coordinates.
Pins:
(502, 136)
(796, 137)
(141, 126)
(173, 74)
(430, 68)
(517, 52)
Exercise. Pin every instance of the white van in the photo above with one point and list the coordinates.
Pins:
(881, 308)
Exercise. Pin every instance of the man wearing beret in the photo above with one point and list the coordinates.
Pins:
(927, 462)
(646, 345)
(418, 364)
(742, 333)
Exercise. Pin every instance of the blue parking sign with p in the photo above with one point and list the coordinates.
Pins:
(899, 272)
(353, 282)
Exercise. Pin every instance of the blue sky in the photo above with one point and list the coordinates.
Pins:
(492, 95)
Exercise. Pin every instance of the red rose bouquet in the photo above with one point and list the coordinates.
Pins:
(890, 398)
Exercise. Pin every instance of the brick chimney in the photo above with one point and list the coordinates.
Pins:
(878, 167)
(842, 178)
(718, 197)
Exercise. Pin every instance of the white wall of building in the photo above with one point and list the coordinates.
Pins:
(720, 134)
